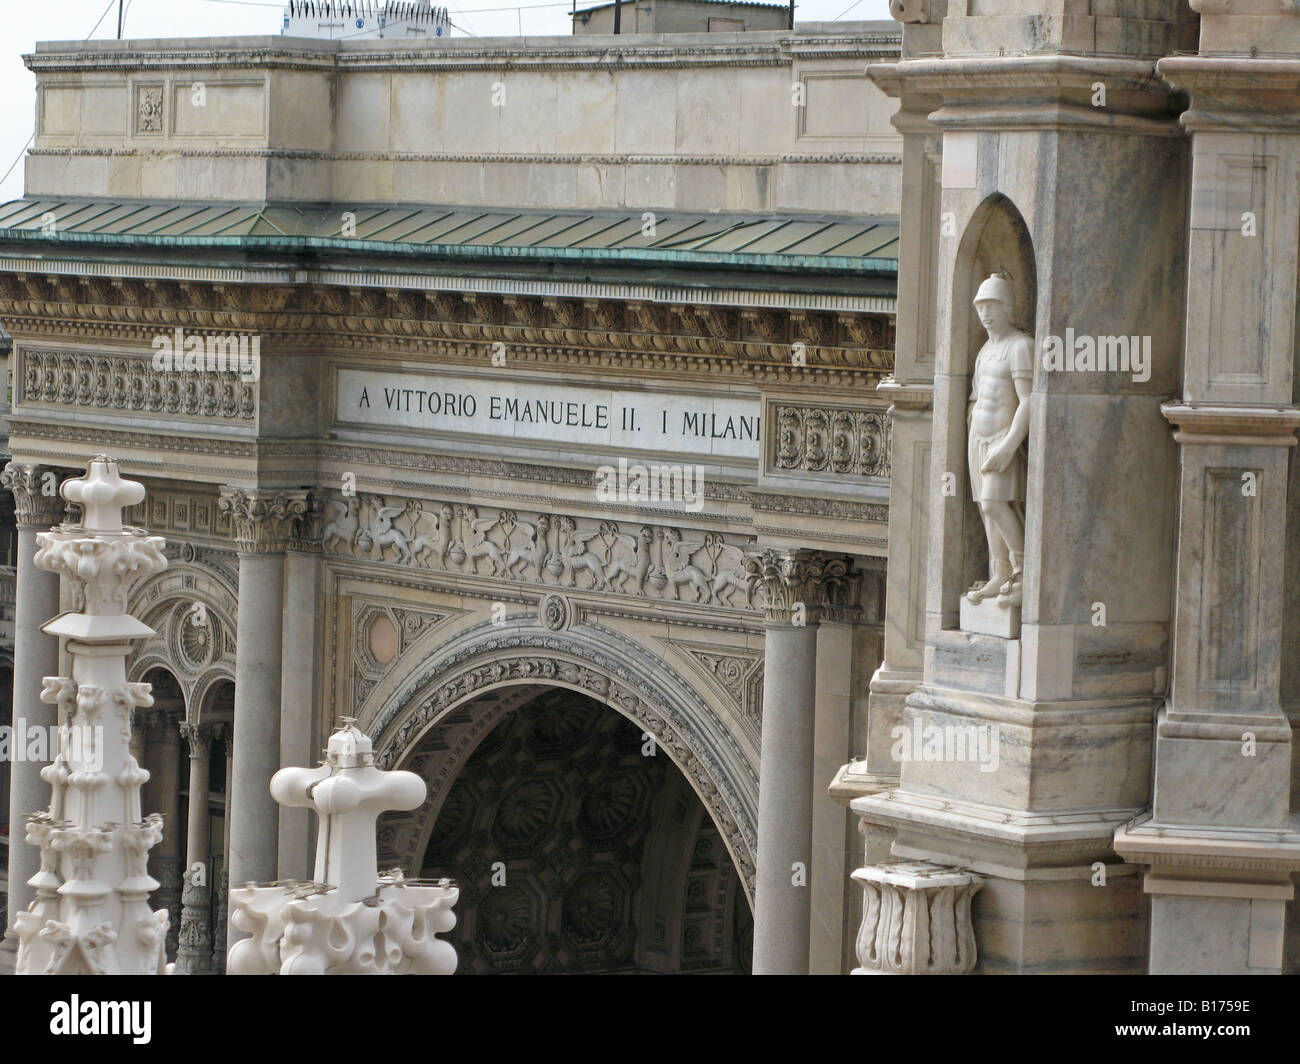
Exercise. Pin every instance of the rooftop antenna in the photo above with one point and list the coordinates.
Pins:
(119, 19)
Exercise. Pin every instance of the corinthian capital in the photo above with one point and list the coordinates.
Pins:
(266, 520)
(37, 502)
(198, 737)
(795, 583)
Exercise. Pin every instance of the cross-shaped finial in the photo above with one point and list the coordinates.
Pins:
(102, 495)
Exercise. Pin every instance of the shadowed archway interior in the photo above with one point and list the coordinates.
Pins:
(579, 847)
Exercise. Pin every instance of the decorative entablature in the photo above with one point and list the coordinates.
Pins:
(765, 345)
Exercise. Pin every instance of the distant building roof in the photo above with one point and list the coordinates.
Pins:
(720, 3)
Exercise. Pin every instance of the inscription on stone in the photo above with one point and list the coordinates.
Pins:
(530, 410)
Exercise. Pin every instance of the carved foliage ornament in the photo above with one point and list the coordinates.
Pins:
(794, 583)
(123, 382)
(37, 503)
(266, 522)
(815, 439)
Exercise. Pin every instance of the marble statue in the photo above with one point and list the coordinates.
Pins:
(997, 426)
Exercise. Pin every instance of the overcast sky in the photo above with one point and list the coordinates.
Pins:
(52, 20)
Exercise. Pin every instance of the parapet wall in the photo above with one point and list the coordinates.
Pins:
(747, 121)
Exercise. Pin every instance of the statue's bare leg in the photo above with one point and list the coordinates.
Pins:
(1012, 533)
(999, 562)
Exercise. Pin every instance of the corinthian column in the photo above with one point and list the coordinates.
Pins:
(36, 656)
(793, 584)
(194, 956)
(265, 522)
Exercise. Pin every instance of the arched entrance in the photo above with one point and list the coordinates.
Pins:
(580, 847)
(597, 809)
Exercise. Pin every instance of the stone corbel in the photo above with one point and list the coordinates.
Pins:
(265, 521)
(1232, 426)
(916, 920)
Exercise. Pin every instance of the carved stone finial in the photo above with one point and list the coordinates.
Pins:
(102, 494)
(37, 503)
(319, 928)
(91, 915)
(266, 521)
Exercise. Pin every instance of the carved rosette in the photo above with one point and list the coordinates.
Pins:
(265, 521)
(37, 503)
(794, 583)
(916, 920)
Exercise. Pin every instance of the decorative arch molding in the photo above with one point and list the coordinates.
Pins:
(198, 655)
(592, 660)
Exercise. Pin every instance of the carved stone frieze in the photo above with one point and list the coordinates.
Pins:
(659, 562)
(265, 521)
(129, 383)
(826, 439)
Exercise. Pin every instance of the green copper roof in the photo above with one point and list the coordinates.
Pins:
(788, 242)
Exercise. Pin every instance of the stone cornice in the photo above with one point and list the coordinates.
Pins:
(492, 158)
(34, 506)
(1035, 91)
(773, 48)
(1233, 426)
(266, 521)
(1236, 94)
(906, 396)
(1242, 862)
(683, 340)
(251, 274)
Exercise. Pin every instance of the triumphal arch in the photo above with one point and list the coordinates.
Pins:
(519, 402)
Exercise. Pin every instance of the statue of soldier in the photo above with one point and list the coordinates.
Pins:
(997, 426)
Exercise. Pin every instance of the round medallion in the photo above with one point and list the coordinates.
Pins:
(555, 612)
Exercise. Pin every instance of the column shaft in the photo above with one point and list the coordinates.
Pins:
(36, 655)
(298, 744)
(254, 816)
(783, 899)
